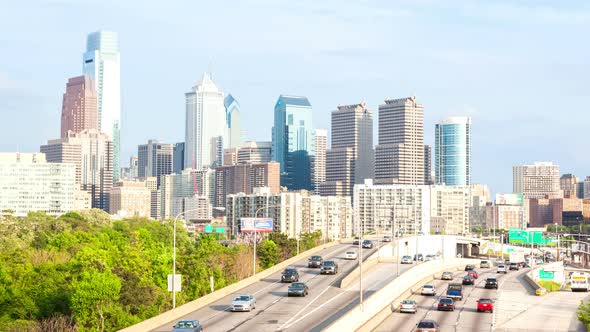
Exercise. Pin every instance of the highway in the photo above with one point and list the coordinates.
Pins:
(277, 312)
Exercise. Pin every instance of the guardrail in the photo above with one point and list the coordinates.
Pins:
(187, 308)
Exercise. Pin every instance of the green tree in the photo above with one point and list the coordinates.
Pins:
(584, 313)
(269, 253)
(93, 299)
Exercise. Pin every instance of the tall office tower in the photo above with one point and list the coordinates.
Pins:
(92, 153)
(255, 152)
(181, 192)
(79, 106)
(154, 159)
(102, 63)
(293, 142)
(399, 157)
(234, 122)
(133, 167)
(244, 178)
(540, 180)
(319, 160)
(28, 184)
(453, 151)
(428, 165)
(586, 192)
(350, 159)
(178, 158)
(206, 125)
(569, 184)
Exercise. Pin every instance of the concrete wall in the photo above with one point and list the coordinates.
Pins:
(427, 245)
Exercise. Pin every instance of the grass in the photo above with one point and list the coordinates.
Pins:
(550, 286)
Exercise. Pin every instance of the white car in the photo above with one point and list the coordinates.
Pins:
(350, 255)
(429, 258)
(387, 238)
(502, 268)
(408, 306)
(244, 302)
(428, 290)
(407, 260)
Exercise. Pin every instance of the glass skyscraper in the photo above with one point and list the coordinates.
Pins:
(293, 143)
(453, 151)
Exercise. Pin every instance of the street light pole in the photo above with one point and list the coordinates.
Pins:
(255, 231)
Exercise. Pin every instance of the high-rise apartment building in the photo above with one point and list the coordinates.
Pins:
(101, 61)
(350, 159)
(332, 215)
(451, 203)
(234, 122)
(155, 159)
(181, 192)
(319, 160)
(178, 158)
(130, 198)
(230, 156)
(586, 193)
(293, 141)
(91, 152)
(255, 152)
(453, 151)
(206, 125)
(569, 184)
(29, 183)
(243, 178)
(399, 157)
(540, 180)
(428, 165)
(79, 109)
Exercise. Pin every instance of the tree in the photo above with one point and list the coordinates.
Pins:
(269, 253)
(92, 298)
(584, 313)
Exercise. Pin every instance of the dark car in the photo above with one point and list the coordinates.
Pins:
(314, 261)
(367, 244)
(330, 267)
(427, 326)
(491, 283)
(468, 280)
(356, 240)
(469, 267)
(290, 275)
(297, 289)
(446, 303)
(188, 326)
(514, 266)
(418, 257)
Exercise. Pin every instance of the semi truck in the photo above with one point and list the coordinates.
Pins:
(517, 257)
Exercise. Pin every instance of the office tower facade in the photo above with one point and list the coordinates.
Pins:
(234, 122)
(540, 180)
(293, 141)
(255, 152)
(244, 178)
(79, 109)
(133, 167)
(230, 156)
(453, 151)
(378, 207)
(178, 158)
(569, 184)
(319, 160)
(451, 203)
(331, 215)
(206, 125)
(428, 165)
(177, 191)
(155, 159)
(29, 183)
(151, 183)
(399, 157)
(130, 199)
(586, 192)
(350, 159)
(101, 61)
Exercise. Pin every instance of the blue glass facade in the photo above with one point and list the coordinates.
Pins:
(453, 152)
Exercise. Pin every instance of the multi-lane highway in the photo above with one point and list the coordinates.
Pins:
(275, 311)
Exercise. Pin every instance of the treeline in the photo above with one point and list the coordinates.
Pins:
(85, 272)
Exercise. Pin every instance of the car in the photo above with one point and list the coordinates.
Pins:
(469, 267)
(502, 269)
(367, 244)
(418, 257)
(315, 261)
(514, 266)
(408, 306)
(356, 240)
(188, 326)
(468, 280)
(297, 289)
(290, 275)
(447, 275)
(484, 264)
(244, 302)
(427, 325)
(407, 260)
(387, 238)
(429, 258)
(485, 305)
(428, 290)
(491, 283)
(472, 273)
(329, 267)
(446, 303)
(350, 255)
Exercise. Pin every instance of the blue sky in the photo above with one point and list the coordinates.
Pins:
(520, 69)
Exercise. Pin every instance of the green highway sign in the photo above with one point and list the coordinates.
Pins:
(546, 274)
(208, 229)
(219, 229)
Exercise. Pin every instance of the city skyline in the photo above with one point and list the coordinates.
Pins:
(515, 70)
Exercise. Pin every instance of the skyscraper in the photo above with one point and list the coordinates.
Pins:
(319, 161)
(453, 151)
(79, 107)
(293, 141)
(234, 122)
(350, 159)
(540, 180)
(154, 159)
(399, 157)
(254, 152)
(427, 165)
(102, 63)
(178, 158)
(206, 125)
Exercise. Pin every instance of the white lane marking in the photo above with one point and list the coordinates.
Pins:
(308, 304)
(311, 312)
(260, 290)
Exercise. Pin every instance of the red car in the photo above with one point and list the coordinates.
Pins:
(472, 273)
(485, 305)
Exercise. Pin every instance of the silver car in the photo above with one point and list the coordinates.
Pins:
(408, 306)
(188, 326)
(407, 260)
(428, 290)
(245, 302)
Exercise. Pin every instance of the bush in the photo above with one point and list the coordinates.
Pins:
(584, 313)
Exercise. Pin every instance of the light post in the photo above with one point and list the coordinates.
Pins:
(256, 216)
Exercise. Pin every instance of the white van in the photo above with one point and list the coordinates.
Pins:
(502, 268)
(579, 282)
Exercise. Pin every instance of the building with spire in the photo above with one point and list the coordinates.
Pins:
(234, 122)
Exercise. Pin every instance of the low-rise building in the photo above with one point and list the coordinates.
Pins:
(130, 198)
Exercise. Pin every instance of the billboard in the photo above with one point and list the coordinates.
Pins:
(509, 199)
(259, 225)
